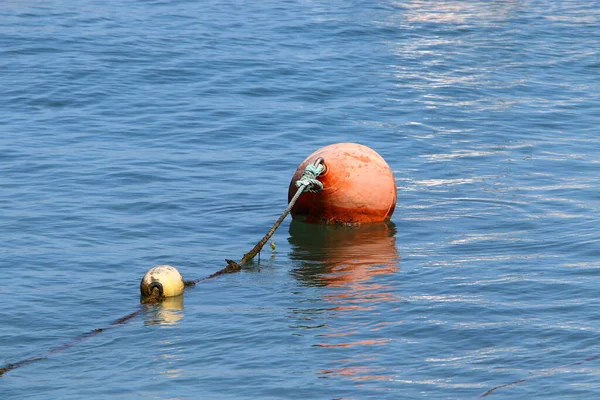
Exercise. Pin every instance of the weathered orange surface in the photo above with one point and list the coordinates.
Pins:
(359, 187)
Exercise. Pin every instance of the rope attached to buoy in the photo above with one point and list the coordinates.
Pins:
(70, 344)
(307, 183)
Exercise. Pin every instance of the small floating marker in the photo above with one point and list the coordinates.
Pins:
(359, 187)
(164, 281)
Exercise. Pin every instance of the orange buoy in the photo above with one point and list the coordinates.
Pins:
(359, 187)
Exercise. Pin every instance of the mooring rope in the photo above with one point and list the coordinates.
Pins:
(307, 183)
(69, 344)
(546, 372)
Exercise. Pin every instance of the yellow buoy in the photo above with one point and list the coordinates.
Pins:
(164, 278)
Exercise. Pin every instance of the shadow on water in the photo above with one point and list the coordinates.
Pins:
(348, 262)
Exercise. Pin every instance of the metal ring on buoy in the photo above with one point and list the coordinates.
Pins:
(358, 187)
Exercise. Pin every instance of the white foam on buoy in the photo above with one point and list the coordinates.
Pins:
(166, 278)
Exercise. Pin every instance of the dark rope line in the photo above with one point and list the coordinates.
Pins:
(69, 344)
(308, 182)
(547, 372)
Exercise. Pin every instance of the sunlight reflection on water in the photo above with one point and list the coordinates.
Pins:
(168, 312)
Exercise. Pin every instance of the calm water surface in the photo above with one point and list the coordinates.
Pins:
(166, 132)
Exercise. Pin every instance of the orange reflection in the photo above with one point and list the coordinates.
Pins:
(346, 256)
(358, 373)
(350, 261)
(359, 342)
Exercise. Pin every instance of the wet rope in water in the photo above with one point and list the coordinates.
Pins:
(547, 372)
(70, 344)
(308, 182)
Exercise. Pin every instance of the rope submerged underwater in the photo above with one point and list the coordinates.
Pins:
(70, 344)
(307, 183)
(545, 372)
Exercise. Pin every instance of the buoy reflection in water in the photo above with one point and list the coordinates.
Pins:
(167, 312)
(348, 262)
(349, 256)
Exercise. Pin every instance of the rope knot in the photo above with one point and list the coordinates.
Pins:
(309, 177)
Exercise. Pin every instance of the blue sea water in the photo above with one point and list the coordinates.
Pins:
(140, 133)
